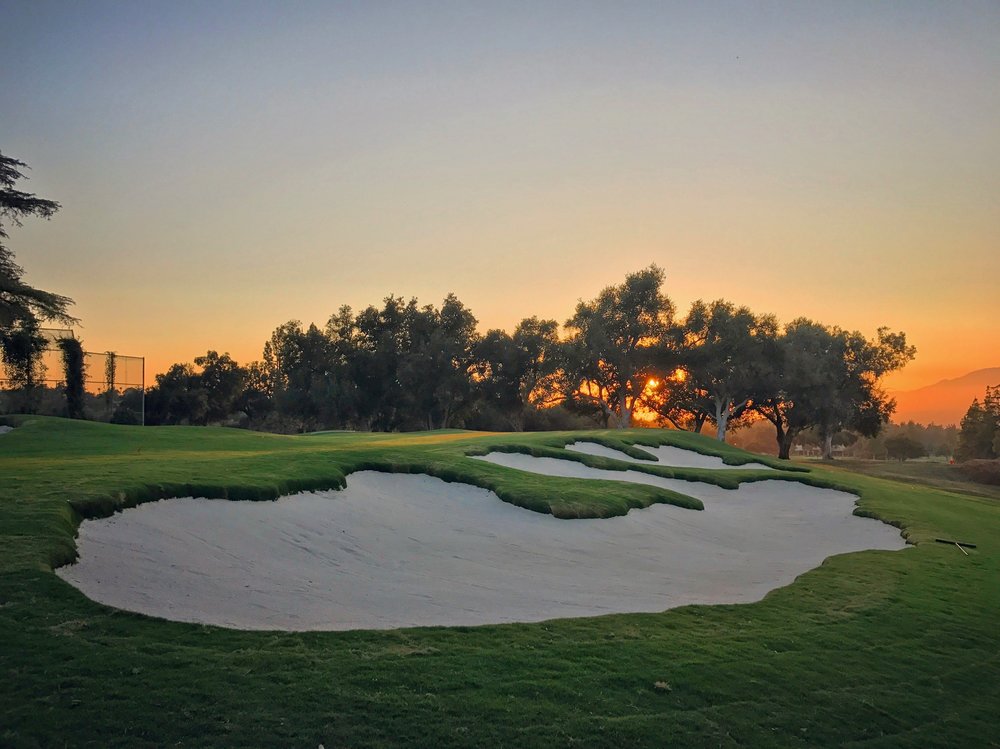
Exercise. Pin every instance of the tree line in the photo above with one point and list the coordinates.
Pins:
(621, 355)
(896, 441)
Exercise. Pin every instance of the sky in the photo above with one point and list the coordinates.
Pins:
(225, 167)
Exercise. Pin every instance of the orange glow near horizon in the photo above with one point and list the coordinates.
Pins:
(943, 351)
(948, 353)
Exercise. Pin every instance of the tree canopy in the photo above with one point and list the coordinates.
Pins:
(19, 301)
(901, 447)
(979, 437)
(610, 349)
(829, 379)
(516, 372)
(722, 353)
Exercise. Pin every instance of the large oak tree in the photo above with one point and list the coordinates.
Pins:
(610, 353)
(723, 354)
(829, 379)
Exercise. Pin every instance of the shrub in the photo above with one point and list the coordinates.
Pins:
(901, 447)
(982, 471)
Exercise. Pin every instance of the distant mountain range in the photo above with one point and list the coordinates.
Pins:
(944, 402)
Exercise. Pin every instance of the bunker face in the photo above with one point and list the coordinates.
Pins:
(665, 455)
(402, 550)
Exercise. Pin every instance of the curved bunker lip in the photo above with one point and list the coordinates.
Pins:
(664, 455)
(402, 550)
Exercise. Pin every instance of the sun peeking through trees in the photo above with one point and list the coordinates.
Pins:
(613, 343)
(407, 366)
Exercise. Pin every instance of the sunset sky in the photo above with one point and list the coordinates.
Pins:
(225, 167)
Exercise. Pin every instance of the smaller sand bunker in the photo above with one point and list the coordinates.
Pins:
(675, 457)
(407, 550)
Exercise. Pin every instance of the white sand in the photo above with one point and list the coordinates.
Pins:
(666, 455)
(402, 550)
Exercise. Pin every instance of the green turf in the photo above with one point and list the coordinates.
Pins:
(870, 649)
(937, 474)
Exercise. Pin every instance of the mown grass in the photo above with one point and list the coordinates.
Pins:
(870, 649)
(937, 474)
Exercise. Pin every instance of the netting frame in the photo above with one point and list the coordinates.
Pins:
(119, 373)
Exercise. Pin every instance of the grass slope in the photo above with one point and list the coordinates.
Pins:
(870, 649)
(940, 475)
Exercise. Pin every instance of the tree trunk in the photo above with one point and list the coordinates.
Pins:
(721, 419)
(624, 413)
(606, 412)
(828, 447)
(785, 445)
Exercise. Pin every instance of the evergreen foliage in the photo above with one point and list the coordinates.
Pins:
(20, 302)
(21, 347)
(73, 374)
(979, 437)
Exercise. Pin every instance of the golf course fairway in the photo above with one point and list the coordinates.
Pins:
(870, 648)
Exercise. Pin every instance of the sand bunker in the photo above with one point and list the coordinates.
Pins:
(666, 455)
(403, 550)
